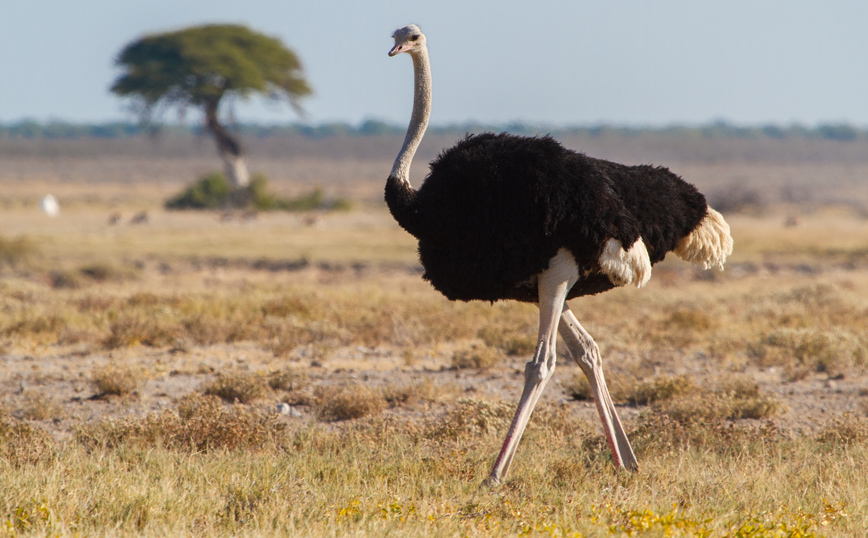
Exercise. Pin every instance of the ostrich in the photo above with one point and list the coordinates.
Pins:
(507, 217)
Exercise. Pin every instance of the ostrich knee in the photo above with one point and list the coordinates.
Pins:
(542, 366)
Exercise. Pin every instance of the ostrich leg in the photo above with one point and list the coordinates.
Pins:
(587, 355)
(554, 283)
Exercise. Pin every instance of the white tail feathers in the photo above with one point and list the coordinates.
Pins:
(632, 266)
(709, 244)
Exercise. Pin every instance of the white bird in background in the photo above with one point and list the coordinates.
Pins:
(50, 205)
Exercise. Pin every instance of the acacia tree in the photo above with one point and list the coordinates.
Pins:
(199, 66)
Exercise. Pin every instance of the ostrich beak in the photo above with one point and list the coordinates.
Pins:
(398, 49)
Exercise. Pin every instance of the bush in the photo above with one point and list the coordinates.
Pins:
(114, 380)
(210, 192)
(472, 418)
(476, 356)
(201, 423)
(214, 192)
(347, 402)
(22, 444)
(237, 387)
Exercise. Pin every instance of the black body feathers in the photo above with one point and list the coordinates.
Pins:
(496, 208)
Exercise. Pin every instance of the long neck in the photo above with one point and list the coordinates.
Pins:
(400, 196)
(419, 119)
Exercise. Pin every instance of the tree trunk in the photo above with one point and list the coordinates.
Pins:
(229, 148)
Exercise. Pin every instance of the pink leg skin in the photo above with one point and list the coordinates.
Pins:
(587, 355)
(554, 284)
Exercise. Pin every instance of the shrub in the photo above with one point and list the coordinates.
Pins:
(476, 356)
(289, 379)
(733, 398)
(347, 402)
(132, 329)
(38, 406)
(471, 418)
(113, 380)
(201, 423)
(237, 387)
(661, 388)
(406, 393)
(210, 192)
(21, 443)
(846, 429)
(832, 351)
(214, 192)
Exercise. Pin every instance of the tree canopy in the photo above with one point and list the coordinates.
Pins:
(200, 65)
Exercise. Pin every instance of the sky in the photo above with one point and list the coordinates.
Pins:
(553, 62)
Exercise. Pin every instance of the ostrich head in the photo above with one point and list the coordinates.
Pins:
(407, 39)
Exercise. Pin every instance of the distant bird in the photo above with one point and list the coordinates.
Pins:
(508, 217)
(50, 205)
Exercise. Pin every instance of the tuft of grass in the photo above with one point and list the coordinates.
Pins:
(22, 444)
(747, 400)
(661, 388)
(410, 393)
(335, 403)
(39, 406)
(578, 388)
(114, 380)
(201, 423)
(289, 379)
(471, 418)
(475, 356)
(681, 399)
(801, 350)
(237, 387)
(134, 328)
(691, 319)
(845, 430)
(733, 398)
(620, 388)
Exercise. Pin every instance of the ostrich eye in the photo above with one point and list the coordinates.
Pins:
(414, 37)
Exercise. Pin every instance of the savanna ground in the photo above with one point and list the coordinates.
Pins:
(215, 374)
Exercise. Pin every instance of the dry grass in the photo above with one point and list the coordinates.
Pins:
(508, 340)
(230, 470)
(332, 317)
(38, 406)
(472, 418)
(475, 355)
(200, 423)
(15, 253)
(408, 394)
(288, 379)
(115, 380)
(683, 400)
(241, 387)
(335, 403)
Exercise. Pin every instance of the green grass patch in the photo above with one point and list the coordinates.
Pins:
(214, 192)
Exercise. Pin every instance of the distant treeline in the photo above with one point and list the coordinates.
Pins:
(29, 129)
